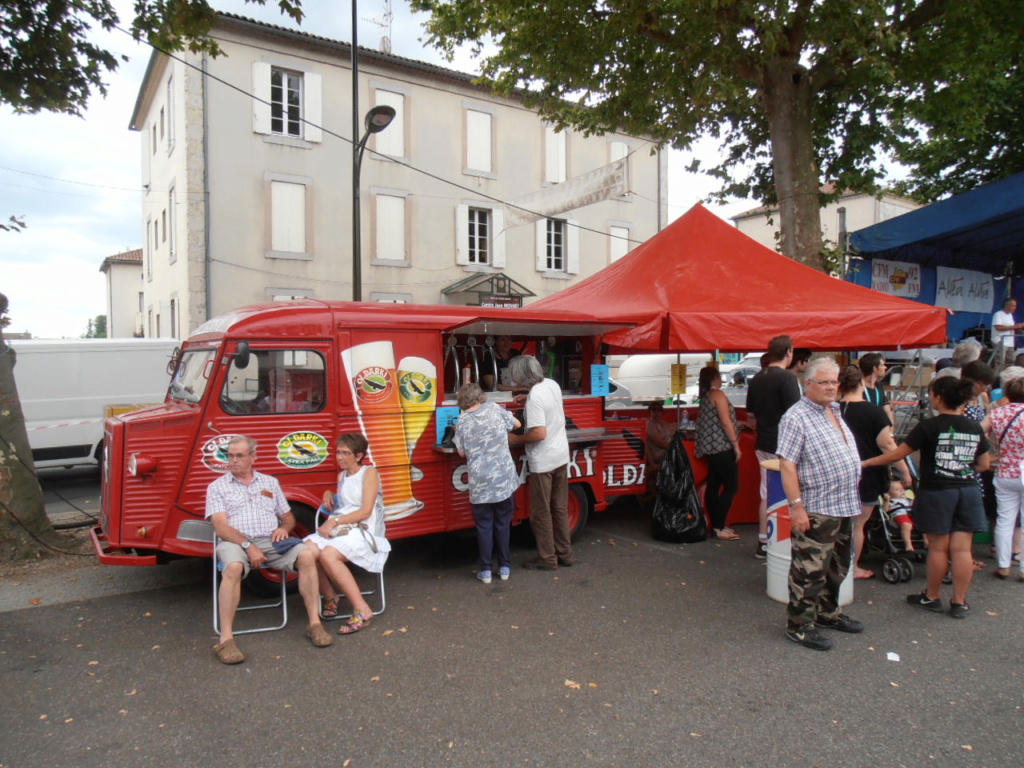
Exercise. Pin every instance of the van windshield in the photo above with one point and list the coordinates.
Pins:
(191, 378)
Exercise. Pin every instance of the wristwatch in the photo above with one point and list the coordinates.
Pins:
(246, 544)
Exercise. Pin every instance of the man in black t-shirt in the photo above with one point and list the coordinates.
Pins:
(770, 394)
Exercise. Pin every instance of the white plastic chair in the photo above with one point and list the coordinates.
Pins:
(378, 590)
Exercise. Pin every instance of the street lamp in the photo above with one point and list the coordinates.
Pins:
(377, 119)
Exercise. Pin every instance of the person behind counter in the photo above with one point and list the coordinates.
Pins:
(481, 437)
(547, 450)
(659, 435)
(718, 440)
(499, 355)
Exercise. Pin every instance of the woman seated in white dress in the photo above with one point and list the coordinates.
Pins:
(353, 533)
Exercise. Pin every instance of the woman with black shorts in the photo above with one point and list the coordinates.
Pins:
(948, 507)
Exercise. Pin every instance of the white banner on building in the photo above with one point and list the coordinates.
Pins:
(599, 184)
(963, 290)
(897, 278)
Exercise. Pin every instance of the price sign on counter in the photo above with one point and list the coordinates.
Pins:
(679, 374)
(599, 380)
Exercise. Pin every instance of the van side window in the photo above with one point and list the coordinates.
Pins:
(276, 381)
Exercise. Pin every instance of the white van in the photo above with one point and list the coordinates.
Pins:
(65, 387)
(649, 377)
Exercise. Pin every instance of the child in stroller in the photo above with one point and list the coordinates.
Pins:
(891, 532)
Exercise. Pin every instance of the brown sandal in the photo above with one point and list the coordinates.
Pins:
(330, 607)
(726, 534)
(354, 624)
(229, 652)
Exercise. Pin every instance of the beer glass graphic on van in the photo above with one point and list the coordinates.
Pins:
(374, 381)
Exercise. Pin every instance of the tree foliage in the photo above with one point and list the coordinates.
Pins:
(796, 91)
(48, 61)
(96, 329)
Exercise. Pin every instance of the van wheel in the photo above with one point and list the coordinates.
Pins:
(579, 510)
(268, 583)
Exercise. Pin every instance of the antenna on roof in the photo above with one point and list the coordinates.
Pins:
(384, 22)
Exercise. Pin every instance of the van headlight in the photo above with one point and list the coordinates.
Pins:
(139, 464)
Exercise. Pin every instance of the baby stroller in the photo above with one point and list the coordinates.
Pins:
(882, 534)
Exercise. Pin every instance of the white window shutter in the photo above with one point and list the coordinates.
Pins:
(312, 104)
(498, 238)
(462, 234)
(572, 247)
(261, 90)
(541, 229)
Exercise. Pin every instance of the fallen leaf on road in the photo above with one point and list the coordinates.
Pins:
(991, 613)
(403, 629)
(43, 717)
(387, 632)
(34, 600)
(93, 663)
(574, 685)
(147, 614)
(375, 679)
(155, 648)
(70, 720)
(611, 542)
(132, 692)
(347, 763)
(654, 691)
(122, 711)
(895, 685)
(592, 685)
(968, 747)
(696, 735)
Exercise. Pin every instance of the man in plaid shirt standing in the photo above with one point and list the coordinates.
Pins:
(250, 515)
(820, 472)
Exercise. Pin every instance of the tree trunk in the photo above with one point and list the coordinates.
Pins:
(22, 514)
(787, 101)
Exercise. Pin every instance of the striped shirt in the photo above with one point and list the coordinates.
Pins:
(827, 463)
(253, 510)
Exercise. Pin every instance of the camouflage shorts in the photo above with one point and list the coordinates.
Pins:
(821, 559)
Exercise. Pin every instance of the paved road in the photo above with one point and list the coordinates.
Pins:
(647, 654)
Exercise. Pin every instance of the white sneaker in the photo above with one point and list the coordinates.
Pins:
(484, 576)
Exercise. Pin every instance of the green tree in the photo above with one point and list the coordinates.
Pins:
(48, 61)
(797, 91)
(23, 520)
(96, 329)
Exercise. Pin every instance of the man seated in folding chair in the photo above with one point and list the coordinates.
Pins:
(250, 514)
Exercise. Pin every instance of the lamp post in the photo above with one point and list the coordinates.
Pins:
(377, 119)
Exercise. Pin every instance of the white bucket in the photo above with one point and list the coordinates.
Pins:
(780, 550)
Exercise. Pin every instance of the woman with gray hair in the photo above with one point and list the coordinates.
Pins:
(481, 436)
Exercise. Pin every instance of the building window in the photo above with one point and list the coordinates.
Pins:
(479, 246)
(154, 142)
(391, 141)
(288, 217)
(554, 155)
(161, 122)
(288, 103)
(619, 150)
(389, 228)
(478, 141)
(147, 252)
(142, 305)
(558, 248)
(172, 256)
(170, 115)
(174, 318)
(163, 220)
(618, 243)
(480, 235)
(285, 102)
(555, 245)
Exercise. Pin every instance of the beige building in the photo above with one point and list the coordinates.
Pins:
(854, 209)
(125, 299)
(248, 179)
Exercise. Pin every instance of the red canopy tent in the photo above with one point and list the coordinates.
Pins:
(701, 284)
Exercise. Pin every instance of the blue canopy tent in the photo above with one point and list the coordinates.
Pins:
(981, 230)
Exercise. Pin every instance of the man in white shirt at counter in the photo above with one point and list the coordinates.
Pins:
(547, 450)
(1003, 329)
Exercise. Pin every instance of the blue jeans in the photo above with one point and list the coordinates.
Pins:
(493, 527)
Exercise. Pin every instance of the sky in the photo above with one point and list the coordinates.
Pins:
(76, 181)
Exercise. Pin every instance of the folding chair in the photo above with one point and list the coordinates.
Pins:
(280, 603)
(377, 590)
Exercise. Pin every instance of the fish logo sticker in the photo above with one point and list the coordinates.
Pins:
(374, 384)
(302, 450)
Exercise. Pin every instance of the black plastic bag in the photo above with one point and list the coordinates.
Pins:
(678, 514)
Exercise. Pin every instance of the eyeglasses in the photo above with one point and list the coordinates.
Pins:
(238, 456)
(832, 383)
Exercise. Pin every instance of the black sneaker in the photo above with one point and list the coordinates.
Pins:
(809, 638)
(761, 553)
(935, 606)
(841, 623)
(959, 610)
